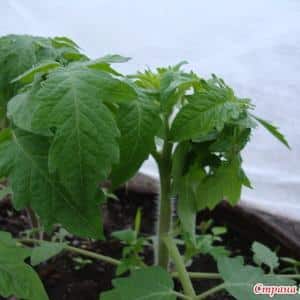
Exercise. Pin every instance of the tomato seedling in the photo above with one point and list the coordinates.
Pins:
(70, 123)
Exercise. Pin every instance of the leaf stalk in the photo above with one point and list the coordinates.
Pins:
(211, 291)
(80, 251)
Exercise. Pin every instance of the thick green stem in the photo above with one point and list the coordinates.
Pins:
(165, 203)
(164, 218)
(180, 267)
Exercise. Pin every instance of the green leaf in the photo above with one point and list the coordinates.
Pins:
(20, 110)
(219, 230)
(187, 202)
(102, 67)
(28, 76)
(110, 295)
(129, 262)
(231, 140)
(224, 184)
(62, 41)
(244, 121)
(273, 130)
(6, 155)
(179, 65)
(240, 279)
(127, 235)
(206, 111)
(18, 53)
(45, 251)
(103, 63)
(111, 59)
(9, 250)
(263, 255)
(24, 158)
(179, 164)
(204, 244)
(5, 191)
(151, 283)
(245, 180)
(72, 100)
(17, 278)
(138, 122)
(173, 85)
(74, 56)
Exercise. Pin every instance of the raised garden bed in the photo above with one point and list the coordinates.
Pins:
(68, 279)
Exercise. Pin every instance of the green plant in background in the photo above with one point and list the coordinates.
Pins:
(70, 123)
(134, 245)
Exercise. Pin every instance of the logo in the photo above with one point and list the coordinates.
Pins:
(273, 290)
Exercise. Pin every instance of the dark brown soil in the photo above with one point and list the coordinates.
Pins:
(66, 279)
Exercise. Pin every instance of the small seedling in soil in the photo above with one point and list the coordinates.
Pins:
(71, 125)
(81, 262)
